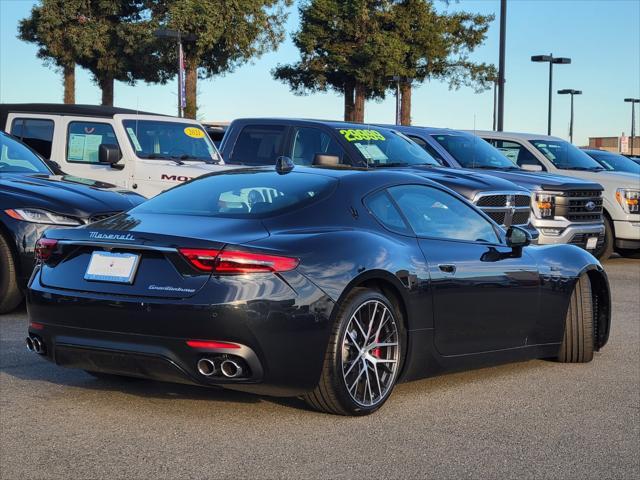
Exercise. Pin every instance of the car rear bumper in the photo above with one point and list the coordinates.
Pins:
(280, 344)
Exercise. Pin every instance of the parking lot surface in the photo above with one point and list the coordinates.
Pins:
(536, 419)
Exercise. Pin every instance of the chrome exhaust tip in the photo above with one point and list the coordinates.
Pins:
(29, 343)
(38, 347)
(231, 369)
(206, 367)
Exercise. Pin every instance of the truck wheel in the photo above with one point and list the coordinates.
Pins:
(605, 251)
(363, 358)
(10, 295)
(578, 342)
(628, 252)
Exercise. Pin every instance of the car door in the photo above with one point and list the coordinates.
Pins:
(82, 143)
(485, 296)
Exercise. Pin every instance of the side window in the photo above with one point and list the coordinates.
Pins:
(308, 142)
(84, 140)
(516, 152)
(434, 213)
(35, 132)
(258, 145)
(382, 207)
(430, 150)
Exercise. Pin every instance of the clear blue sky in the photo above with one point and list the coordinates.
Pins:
(602, 38)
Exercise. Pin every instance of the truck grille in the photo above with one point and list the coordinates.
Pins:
(505, 208)
(580, 206)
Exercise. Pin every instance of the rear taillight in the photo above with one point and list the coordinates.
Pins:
(235, 262)
(211, 344)
(45, 248)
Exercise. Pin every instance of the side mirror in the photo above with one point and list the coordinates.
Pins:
(530, 167)
(517, 237)
(109, 153)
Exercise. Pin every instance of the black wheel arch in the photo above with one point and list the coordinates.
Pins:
(601, 303)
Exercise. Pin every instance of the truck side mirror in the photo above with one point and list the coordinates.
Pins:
(109, 153)
(530, 167)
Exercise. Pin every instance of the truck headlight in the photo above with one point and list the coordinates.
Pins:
(36, 215)
(628, 200)
(544, 204)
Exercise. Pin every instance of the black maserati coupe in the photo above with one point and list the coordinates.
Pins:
(327, 283)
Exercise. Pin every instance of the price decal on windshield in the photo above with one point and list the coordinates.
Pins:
(193, 132)
(359, 135)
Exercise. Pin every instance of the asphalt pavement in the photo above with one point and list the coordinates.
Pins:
(536, 419)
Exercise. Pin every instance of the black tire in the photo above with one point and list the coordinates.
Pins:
(578, 342)
(331, 395)
(606, 250)
(10, 294)
(628, 252)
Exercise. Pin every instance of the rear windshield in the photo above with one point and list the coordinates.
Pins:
(241, 194)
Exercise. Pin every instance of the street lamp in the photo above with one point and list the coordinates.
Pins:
(166, 33)
(552, 60)
(570, 91)
(633, 118)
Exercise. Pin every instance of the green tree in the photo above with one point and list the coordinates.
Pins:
(228, 34)
(437, 46)
(54, 26)
(343, 47)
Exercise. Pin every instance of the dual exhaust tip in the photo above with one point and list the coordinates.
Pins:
(34, 344)
(228, 368)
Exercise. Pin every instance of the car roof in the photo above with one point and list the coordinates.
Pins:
(515, 135)
(427, 130)
(66, 109)
(310, 122)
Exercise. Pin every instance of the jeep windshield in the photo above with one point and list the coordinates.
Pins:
(156, 139)
(473, 152)
(565, 156)
(17, 158)
(386, 148)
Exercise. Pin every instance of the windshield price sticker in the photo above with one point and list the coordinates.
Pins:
(193, 132)
(359, 135)
(134, 139)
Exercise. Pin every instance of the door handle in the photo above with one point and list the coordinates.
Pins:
(447, 268)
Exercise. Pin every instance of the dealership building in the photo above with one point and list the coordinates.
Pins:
(616, 144)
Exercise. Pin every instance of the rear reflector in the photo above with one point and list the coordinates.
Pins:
(44, 249)
(234, 262)
(36, 326)
(210, 344)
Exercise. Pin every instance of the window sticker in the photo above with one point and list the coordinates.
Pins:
(193, 132)
(76, 146)
(359, 135)
(134, 139)
(371, 152)
(84, 148)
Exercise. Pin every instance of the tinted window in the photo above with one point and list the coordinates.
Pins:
(434, 213)
(308, 142)
(382, 207)
(16, 158)
(383, 148)
(472, 152)
(565, 156)
(430, 150)
(241, 194)
(37, 133)
(515, 152)
(615, 162)
(85, 138)
(157, 139)
(258, 145)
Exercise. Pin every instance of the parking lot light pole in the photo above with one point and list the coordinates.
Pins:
(572, 92)
(633, 102)
(552, 60)
(166, 33)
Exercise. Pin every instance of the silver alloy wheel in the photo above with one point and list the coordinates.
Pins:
(370, 353)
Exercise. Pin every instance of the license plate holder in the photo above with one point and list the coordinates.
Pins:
(592, 243)
(112, 267)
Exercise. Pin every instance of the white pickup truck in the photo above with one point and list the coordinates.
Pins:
(621, 196)
(143, 152)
